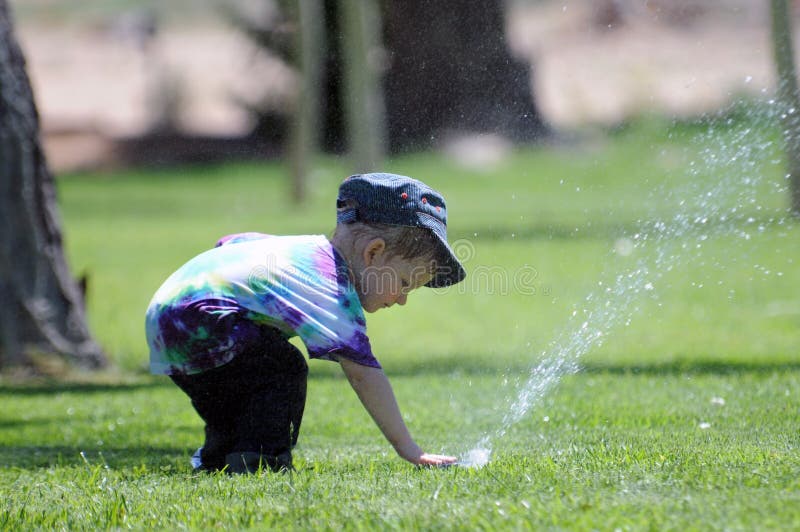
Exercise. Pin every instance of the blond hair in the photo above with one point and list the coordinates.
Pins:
(404, 241)
(408, 242)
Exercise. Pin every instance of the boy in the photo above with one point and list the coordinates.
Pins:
(219, 325)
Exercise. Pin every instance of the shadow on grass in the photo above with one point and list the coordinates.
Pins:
(49, 387)
(602, 229)
(455, 367)
(694, 367)
(450, 366)
(43, 456)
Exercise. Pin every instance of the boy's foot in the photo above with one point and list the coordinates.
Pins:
(251, 462)
(197, 463)
(196, 460)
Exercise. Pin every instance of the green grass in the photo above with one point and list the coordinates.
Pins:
(617, 450)
(687, 416)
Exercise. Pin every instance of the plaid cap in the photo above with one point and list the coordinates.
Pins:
(399, 200)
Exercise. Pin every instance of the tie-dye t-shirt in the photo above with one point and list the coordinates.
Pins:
(217, 302)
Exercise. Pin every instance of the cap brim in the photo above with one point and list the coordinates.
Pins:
(449, 270)
(448, 273)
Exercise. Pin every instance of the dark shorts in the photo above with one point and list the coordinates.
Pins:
(255, 402)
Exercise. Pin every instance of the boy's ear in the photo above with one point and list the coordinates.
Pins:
(373, 250)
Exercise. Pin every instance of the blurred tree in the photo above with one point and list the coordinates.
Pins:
(788, 94)
(293, 31)
(42, 306)
(449, 68)
(443, 67)
(363, 99)
(304, 140)
(339, 101)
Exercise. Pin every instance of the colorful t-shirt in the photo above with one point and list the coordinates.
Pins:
(212, 305)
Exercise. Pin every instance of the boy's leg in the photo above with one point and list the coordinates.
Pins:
(271, 413)
(205, 330)
(217, 408)
(255, 402)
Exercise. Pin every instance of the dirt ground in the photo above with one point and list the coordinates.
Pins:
(594, 62)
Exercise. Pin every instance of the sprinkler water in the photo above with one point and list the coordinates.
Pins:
(720, 200)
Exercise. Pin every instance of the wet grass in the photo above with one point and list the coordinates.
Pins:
(687, 416)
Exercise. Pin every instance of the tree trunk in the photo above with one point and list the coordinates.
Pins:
(42, 309)
(331, 85)
(304, 141)
(447, 68)
(788, 94)
(363, 98)
(450, 69)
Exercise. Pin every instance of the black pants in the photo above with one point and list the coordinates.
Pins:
(254, 403)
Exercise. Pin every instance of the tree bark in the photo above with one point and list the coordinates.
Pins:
(42, 308)
(788, 94)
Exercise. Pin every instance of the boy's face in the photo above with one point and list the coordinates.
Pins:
(387, 279)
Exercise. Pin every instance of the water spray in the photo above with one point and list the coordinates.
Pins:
(706, 208)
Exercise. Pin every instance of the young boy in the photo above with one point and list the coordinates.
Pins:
(219, 325)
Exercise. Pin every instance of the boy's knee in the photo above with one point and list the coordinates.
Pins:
(302, 370)
(297, 365)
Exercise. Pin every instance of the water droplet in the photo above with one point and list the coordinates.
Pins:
(476, 458)
(623, 246)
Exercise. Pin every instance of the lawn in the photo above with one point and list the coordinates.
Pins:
(658, 258)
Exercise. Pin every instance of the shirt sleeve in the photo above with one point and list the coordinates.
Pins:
(361, 354)
(337, 330)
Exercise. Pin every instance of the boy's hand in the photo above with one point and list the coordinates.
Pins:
(435, 460)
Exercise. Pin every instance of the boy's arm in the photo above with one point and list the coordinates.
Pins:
(375, 393)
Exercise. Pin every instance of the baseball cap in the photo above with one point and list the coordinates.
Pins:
(400, 200)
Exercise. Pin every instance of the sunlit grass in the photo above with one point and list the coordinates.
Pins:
(684, 417)
(658, 448)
